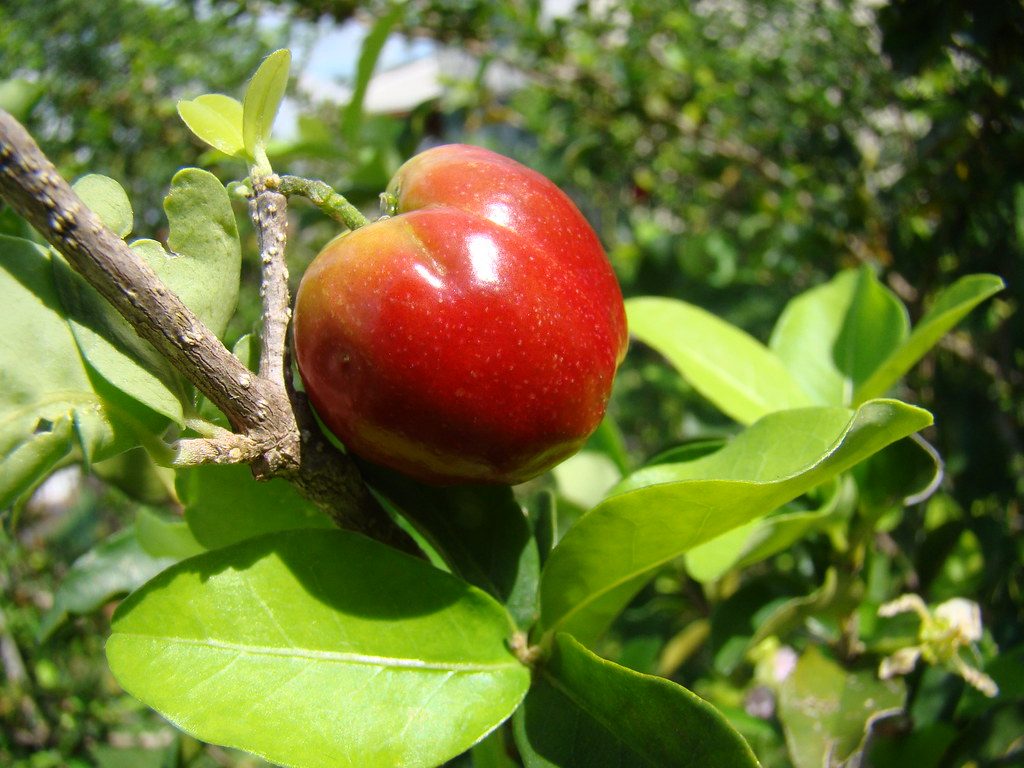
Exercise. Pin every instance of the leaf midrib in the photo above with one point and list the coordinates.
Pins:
(335, 657)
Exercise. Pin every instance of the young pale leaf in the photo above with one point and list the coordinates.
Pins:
(730, 368)
(611, 552)
(44, 386)
(480, 531)
(876, 323)
(114, 567)
(108, 200)
(339, 650)
(225, 504)
(373, 44)
(805, 335)
(262, 99)
(950, 307)
(586, 712)
(826, 711)
(217, 120)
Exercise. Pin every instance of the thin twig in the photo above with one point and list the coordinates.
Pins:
(323, 197)
(269, 214)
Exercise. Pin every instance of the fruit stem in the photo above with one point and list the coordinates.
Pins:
(323, 196)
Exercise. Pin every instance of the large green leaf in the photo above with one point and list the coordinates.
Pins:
(224, 504)
(48, 406)
(586, 712)
(826, 710)
(481, 533)
(950, 307)
(608, 555)
(730, 368)
(337, 649)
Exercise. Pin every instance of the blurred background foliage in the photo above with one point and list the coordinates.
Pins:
(732, 153)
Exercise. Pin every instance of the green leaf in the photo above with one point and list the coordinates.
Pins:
(481, 533)
(805, 334)
(262, 99)
(18, 96)
(373, 44)
(826, 711)
(217, 120)
(611, 552)
(162, 537)
(338, 650)
(48, 405)
(876, 323)
(115, 567)
(586, 712)
(950, 307)
(205, 262)
(764, 537)
(730, 368)
(224, 504)
(108, 200)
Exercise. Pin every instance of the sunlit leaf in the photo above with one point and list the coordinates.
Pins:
(217, 120)
(727, 366)
(950, 307)
(108, 200)
(611, 552)
(48, 405)
(586, 712)
(262, 100)
(876, 323)
(805, 334)
(339, 650)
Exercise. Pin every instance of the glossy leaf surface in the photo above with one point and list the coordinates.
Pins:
(217, 120)
(262, 99)
(225, 505)
(727, 366)
(605, 558)
(339, 650)
(586, 712)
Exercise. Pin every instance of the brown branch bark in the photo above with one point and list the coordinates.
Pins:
(277, 432)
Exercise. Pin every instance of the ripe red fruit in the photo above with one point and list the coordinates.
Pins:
(474, 336)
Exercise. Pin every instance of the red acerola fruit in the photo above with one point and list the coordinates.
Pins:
(470, 338)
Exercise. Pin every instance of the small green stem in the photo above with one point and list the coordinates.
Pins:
(324, 198)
